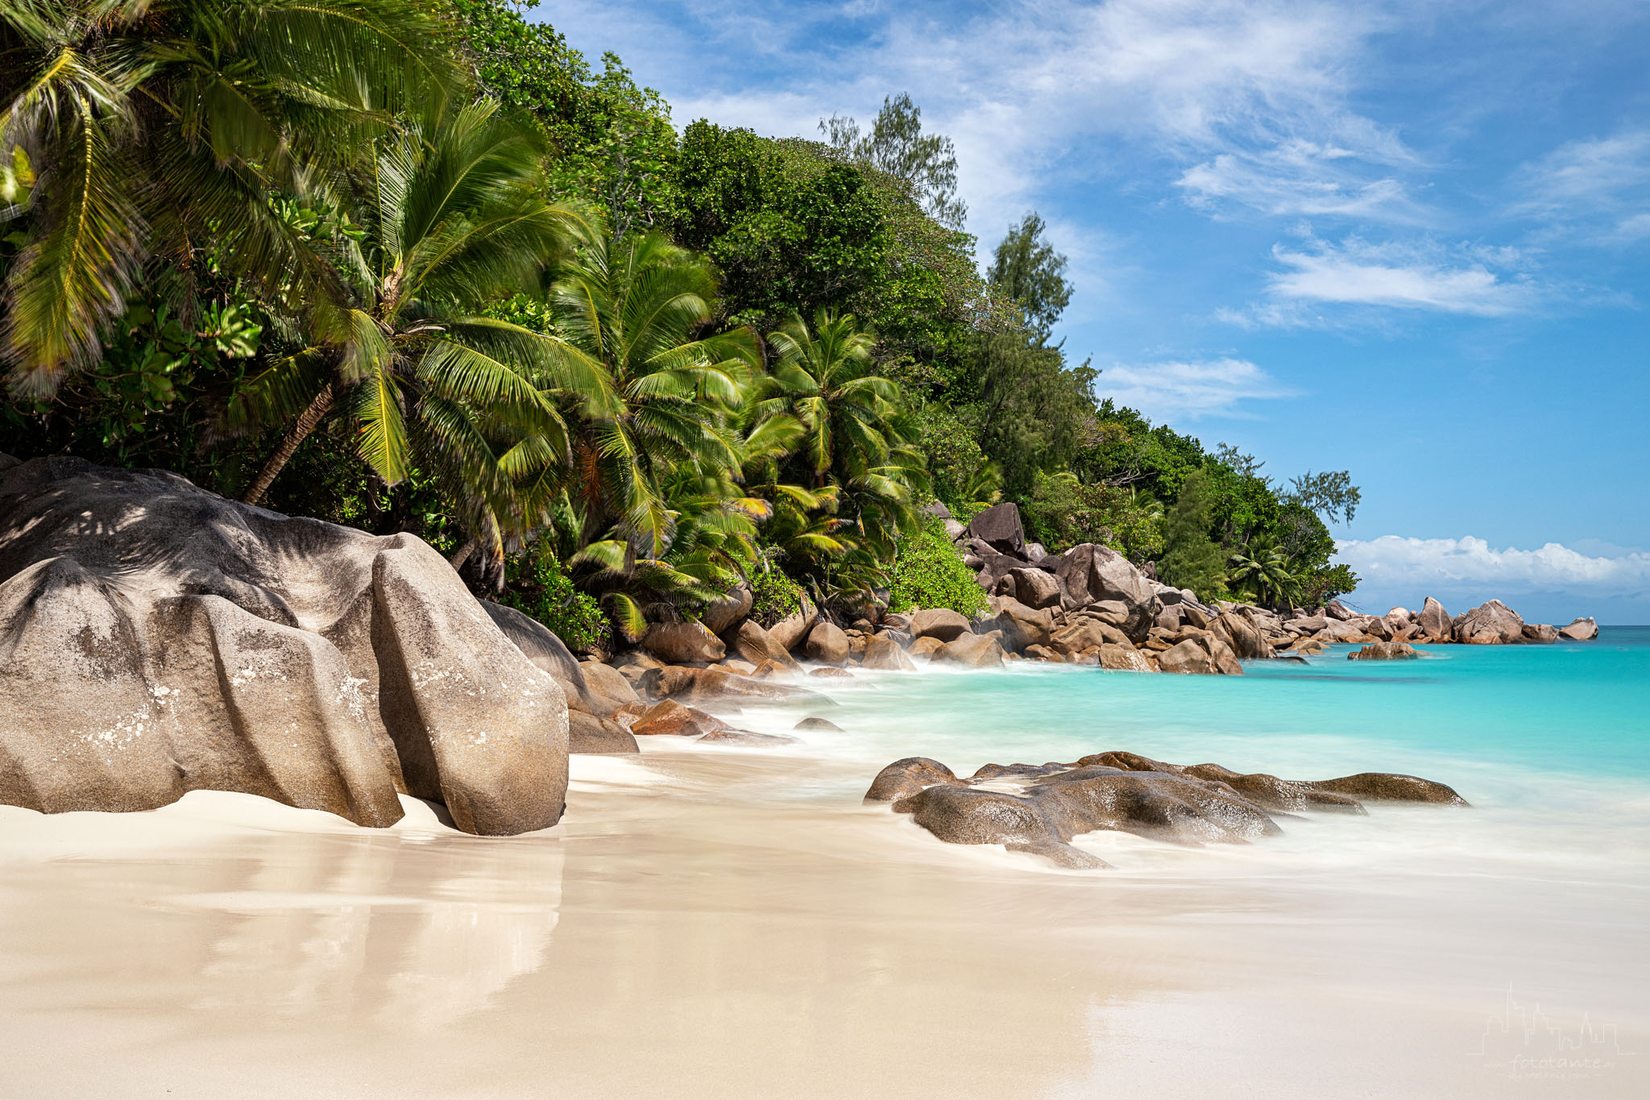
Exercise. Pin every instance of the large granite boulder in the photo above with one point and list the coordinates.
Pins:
(157, 639)
(1020, 626)
(541, 646)
(789, 632)
(1092, 574)
(756, 645)
(1434, 622)
(999, 526)
(1384, 651)
(605, 689)
(1581, 630)
(826, 643)
(589, 735)
(972, 651)
(727, 612)
(939, 622)
(1492, 623)
(883, 652)
(1035, 587)
(1241, 635)
(683, 643)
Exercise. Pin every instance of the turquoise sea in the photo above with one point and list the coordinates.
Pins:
(1459, 713)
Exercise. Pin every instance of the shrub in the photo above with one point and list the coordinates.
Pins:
(774, 596)
(928, 572)
(538, 587)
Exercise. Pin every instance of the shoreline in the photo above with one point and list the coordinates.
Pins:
(749, 891)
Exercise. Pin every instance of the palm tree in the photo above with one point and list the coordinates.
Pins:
(149, 132)
(1264, 571)
(451, 219)
(855, 432)
(631, 312)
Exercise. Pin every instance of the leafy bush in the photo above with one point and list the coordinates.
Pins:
(928, 572)
(1063, 512)
(774, 596)
(537, 586)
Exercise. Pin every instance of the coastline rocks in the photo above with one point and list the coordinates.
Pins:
(730, 609)
(826, 643)
(671, 719)
(605, 689)
(157, 639)
(683, 643)
(972, 650)
(940, 623)
(1581, 630)
(883, 652)
(1492, 623)
(590, 735)
(756, 645)
(1435, 623)
(1040, 809)
(788, 632)
(1000, 528)
(1384, 651)
(1092, 574)
(1036, 588)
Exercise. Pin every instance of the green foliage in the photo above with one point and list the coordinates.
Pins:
(925, 165)
(1191, 558)
(928, 572)
(1028, 270)
(614, 144)
(538, 586)
(790, 229)
(1063, 512)
(1262, 573)
(167, 126)
(774, 596)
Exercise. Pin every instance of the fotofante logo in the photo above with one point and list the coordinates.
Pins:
(1523, 1042)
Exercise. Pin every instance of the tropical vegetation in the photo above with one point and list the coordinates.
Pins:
(422, 267)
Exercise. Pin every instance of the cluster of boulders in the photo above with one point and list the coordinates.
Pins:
(1040, 808)
(1087, 606)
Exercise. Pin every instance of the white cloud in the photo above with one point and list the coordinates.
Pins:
(1189, 390)
(1465, 279)
(1597, 189)
(1247, 102)
(1393, 562)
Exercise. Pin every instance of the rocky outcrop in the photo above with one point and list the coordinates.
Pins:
(683, 643)
(1000, 528)
(158, 639)
(1092, 574)
(1040, 809)
(1581, 630)
(1492, 623)
(826, 643)
(940, 623)
(1434, 622)
(1384, 651)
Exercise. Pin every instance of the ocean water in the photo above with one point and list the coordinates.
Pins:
(1579, 710)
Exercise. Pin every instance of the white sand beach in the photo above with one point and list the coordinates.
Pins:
(721, 922)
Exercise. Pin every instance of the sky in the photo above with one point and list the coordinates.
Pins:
(1410, 239)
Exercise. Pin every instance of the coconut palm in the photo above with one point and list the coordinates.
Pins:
(143, 133)
(632, 312)
(1264, 572)
(855, 430)
(450, 218)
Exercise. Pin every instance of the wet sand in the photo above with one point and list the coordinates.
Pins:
(729, 922)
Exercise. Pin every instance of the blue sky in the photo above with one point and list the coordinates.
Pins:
(1411, 239)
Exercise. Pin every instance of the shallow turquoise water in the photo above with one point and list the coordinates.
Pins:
(1479, 713)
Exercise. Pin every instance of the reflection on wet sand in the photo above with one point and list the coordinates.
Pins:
(735, 924)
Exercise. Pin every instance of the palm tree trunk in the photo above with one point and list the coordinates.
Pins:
(306, 423)
(463, 555)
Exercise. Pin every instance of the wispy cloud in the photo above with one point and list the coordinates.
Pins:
(1190, 390)
(1417, 565)
(1245, 102)
(1410, 275)
(1597, 188)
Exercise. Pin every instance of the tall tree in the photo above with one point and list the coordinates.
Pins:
(1028, 270)
(451, 217)
(632, 312)
(896, 145)
(1191, 559)
(151, 130)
